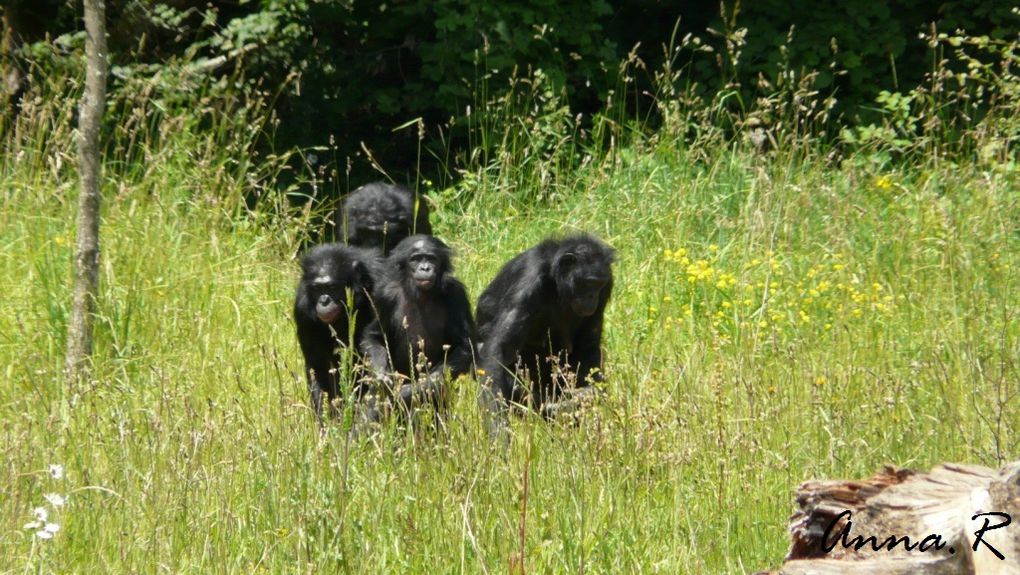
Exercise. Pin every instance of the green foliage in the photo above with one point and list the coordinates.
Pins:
(354, 64)
(342, 75)
(966, 106)
(869, 37)
(898, 130)
(873, 46)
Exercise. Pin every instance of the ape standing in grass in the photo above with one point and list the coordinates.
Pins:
(424, 329)
(331, 309)
(380, 215)
(540, 322)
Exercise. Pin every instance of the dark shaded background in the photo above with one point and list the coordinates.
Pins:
(343, 73)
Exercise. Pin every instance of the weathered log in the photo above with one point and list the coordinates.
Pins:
(957, 519)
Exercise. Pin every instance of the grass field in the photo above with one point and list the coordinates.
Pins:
(777, 317)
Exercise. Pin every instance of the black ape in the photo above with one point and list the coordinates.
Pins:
(324, 320)
(424, 325)
(380, 215)
(541, 319)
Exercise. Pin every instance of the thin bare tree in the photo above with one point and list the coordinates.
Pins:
(86, 261)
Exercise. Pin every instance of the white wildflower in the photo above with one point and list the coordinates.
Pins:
(48, 530)
(32, 525)
(40, 513)
(55, 499)
(57, 471)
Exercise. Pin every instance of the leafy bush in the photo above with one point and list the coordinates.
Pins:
(345, 77)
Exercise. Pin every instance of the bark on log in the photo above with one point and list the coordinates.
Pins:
(898, 503)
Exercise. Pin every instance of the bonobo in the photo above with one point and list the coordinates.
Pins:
(540, 322)
(380, 215)
(331, 307)
(424, 329)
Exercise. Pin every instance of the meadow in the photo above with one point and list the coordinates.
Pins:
(780, 313)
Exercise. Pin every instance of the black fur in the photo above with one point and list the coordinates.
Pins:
(327, 272)
(420, 302)
(381, 215)
(540, 321)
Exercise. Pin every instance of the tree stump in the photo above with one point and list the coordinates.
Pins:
(956, 519)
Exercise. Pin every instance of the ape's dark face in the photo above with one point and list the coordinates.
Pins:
(380, 236)
(422, 261)
(587, 294)
(327, 296)
(330, 280)
(378, 225)
(380, 215)
(423, 269)
(583, 277)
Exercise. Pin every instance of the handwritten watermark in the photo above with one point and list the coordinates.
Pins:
(930, 542)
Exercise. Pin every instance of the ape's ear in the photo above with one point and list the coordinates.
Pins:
(610, 255)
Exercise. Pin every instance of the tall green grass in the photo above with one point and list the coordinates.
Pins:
(779, 315)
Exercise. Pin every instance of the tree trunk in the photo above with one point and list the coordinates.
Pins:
(10, 40)
(974, 512)
(90, 114)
